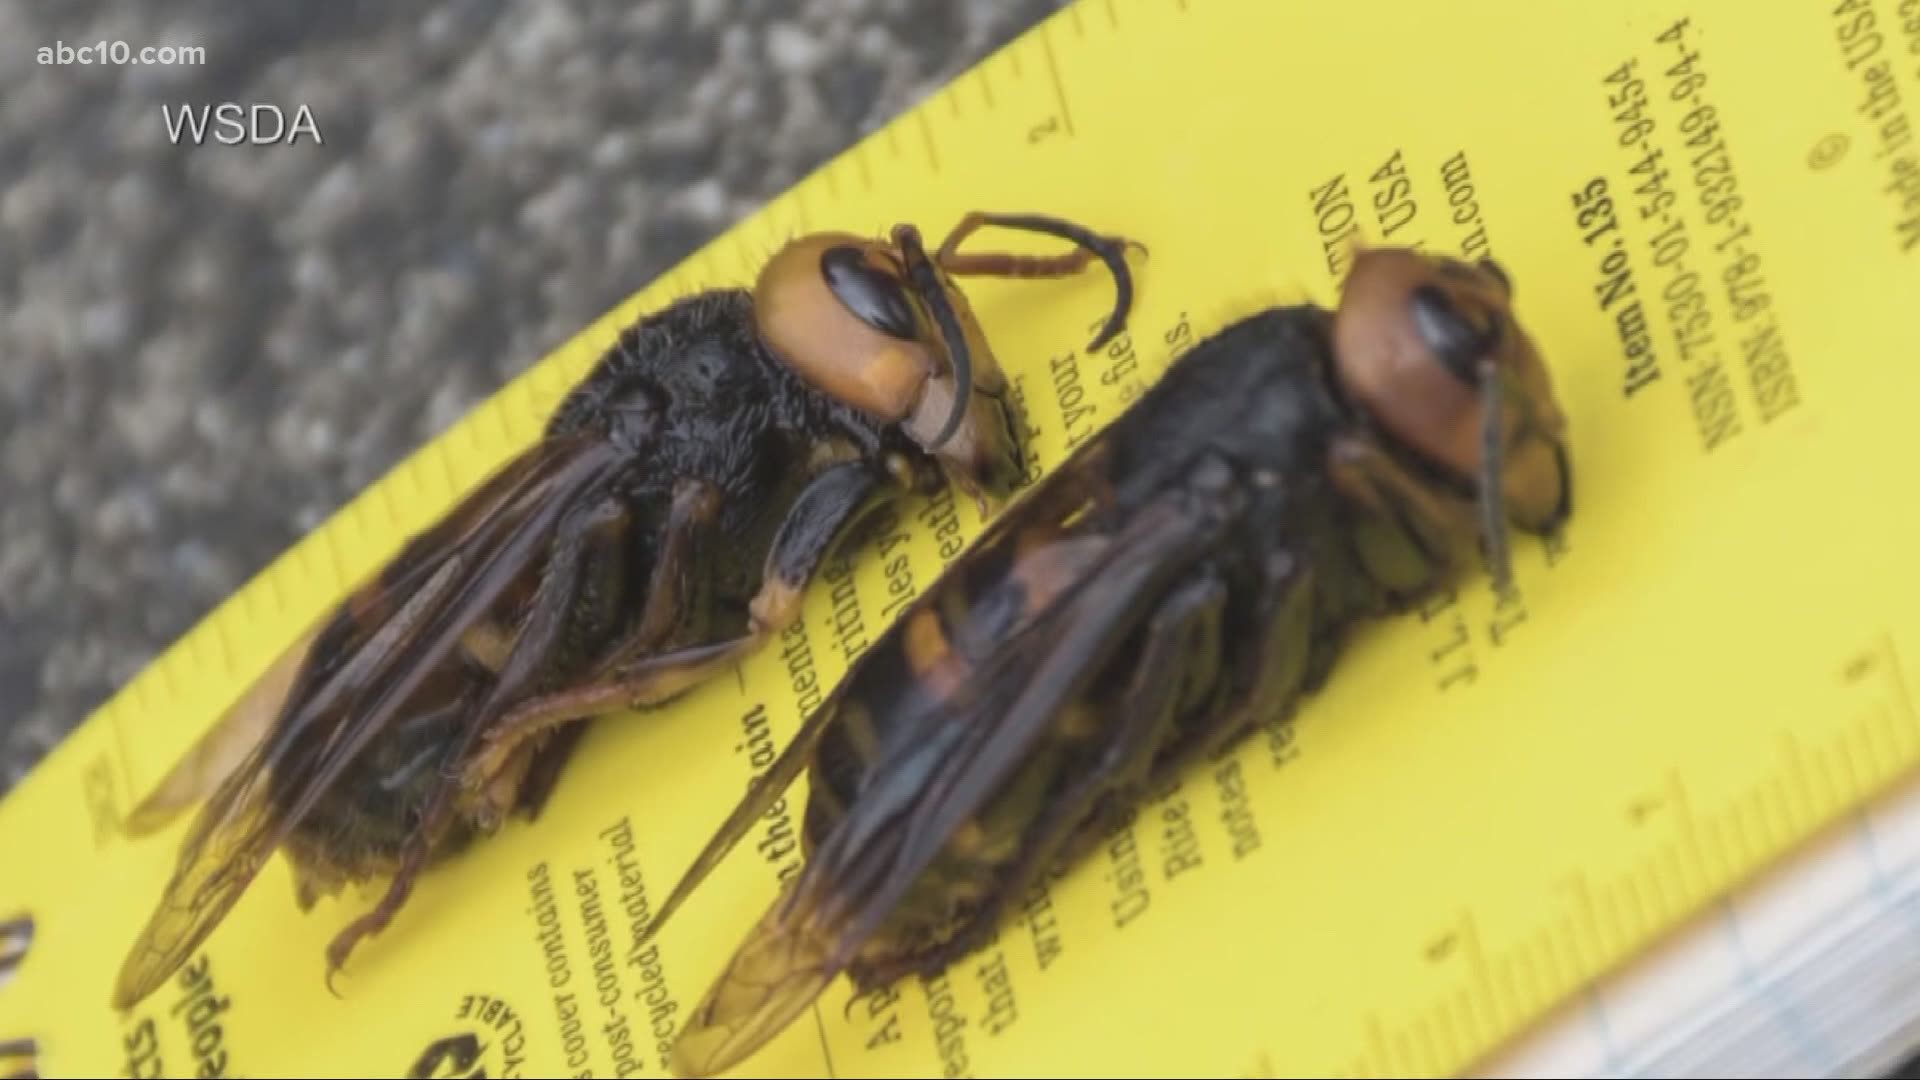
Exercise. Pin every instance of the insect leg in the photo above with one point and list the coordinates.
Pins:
(413, 859)
(1285, 659)
(1404, 542)
(501, 763)
(695, 503)
(583, 533)
(834, 503)
(543, 775)
(826, 511)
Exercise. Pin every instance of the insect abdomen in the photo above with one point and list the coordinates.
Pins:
(933, 654)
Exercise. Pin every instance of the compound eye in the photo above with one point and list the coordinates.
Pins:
(1446, 332)
(874, 297)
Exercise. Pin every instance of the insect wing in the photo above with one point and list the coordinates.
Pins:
(1044, 602)
(389, 637)
(226, 744)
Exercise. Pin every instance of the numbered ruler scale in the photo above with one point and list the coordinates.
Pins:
(1490, 805)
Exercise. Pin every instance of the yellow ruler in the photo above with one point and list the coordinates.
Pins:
(1710, 209)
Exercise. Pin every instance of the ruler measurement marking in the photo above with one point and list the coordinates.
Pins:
(1754, 807)
(1763, 823)
(710, 264)
(1506, 989)
(1521, 980)
(803, 207)
(1825, 779)
(502, 421)
(1643, 882)
(521, 425)
(169, 663)
(1631, 908)
(1461, 1007)
(1780, 788)
(745, 253)
(338, 561)
(1549, 975)
(1662, 888)
(1886, 724)
(1644, 877)
(1404, 1051)
(1442, 1045)
(1677, 890)
(1428, 1042)
(1873, 769)
(1459, 1012)
(933, 153)
(1795, 781)
(1857, 774)
(230, 652)
(1607, 905)
(1558, 965)
(129, 790)
(1719, 833)
(1566, 940)
(410, 477)
(1376, 1047)
(1482, 981)
(1899, 724)
(1897, 674)
(1822, 779)
(195, 642)
(144, 690)
(1059, 88)
(1595, 937)
(1690, 836)
(860, 162)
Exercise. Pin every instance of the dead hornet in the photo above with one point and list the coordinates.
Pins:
(1188, 573)
(663, 528)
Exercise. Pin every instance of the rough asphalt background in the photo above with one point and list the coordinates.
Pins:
(204, 352)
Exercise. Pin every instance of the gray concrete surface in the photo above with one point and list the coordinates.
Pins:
(205, 351)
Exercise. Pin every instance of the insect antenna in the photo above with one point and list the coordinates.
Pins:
(1493, 518)
(1110, 250)
(926, 282)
